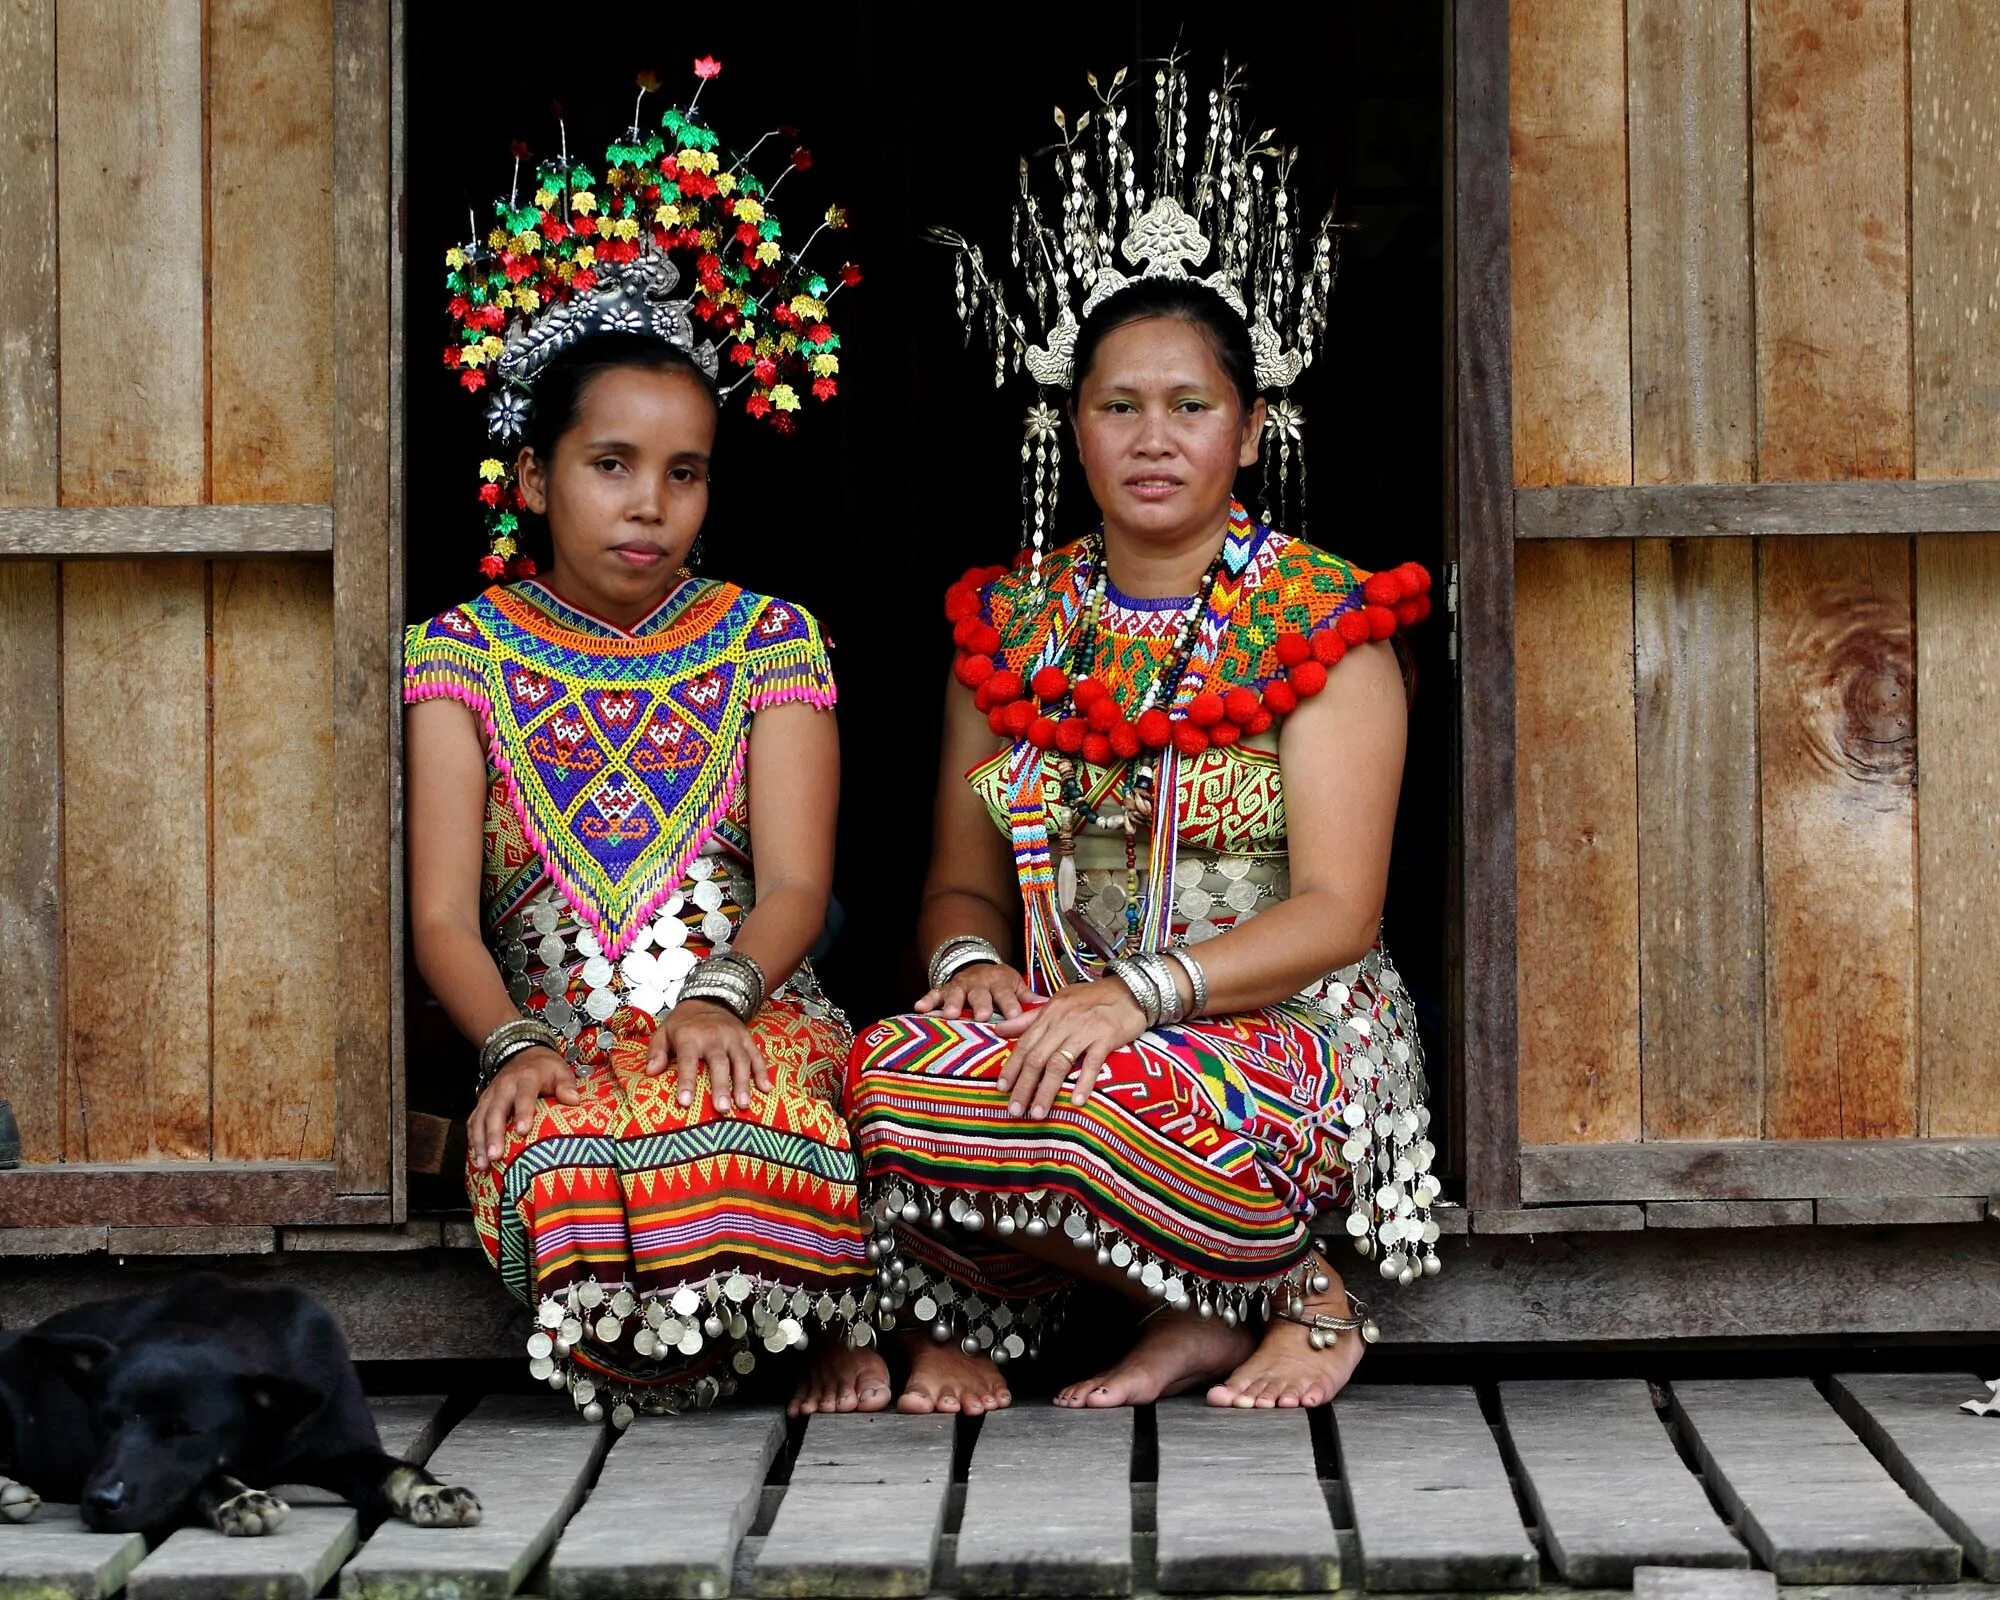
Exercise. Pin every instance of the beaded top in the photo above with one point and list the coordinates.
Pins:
(619, 750)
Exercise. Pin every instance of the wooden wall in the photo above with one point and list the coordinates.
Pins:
(166, 742)
(1757, 818)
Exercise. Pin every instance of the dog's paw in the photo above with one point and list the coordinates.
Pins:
(438, 1505)
(18, 1501)
(249, 1514)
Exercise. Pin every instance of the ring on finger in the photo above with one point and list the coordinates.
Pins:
(1067, 1055)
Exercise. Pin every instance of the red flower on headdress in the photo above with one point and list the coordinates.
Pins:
(520, 149)
(757, 405)
(451, 354)
(802, 158)
(495, 567)
(490, 493)
(818, 333)
(706, 67)
(850, 274)
(825, 388)
(474, 380)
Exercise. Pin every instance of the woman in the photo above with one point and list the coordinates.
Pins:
(657, 1160)
(1191, 729)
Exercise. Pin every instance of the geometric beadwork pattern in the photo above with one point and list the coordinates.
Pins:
(618, 751)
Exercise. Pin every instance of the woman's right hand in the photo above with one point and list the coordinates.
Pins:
(534, 1074)
(980, 991)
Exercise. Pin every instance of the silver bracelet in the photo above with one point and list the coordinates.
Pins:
(728, 981)
(1143, 990)
(960, 951)
(1162, 974)
(1197, 980)
(510, 1039)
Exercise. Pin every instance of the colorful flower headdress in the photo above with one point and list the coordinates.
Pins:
(1228, 219)
(580, 255)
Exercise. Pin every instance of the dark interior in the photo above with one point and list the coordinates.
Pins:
(885, 495)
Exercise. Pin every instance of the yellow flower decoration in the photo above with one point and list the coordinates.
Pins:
(566, 271)
(767, 346)
(473, 355)
(491, 470)
(583, 202)
(697, 161)
(787, 343)
(504, 545)
(492, 344)
(586, 256)
(804, 305)
(626, 227)
(667, 216)
(725, 183)
(836, 216)
(455, 258)
(785, 397)
(749, 210)
(767, 251)
(497, 239)
(825, 366)
(526, 298)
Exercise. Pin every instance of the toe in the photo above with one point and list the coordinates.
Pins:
(845, 1399)
(872, 1397)
(916, 1402)
(1223, 1394)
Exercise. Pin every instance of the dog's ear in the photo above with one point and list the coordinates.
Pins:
(76, 1356)
(286, 1401)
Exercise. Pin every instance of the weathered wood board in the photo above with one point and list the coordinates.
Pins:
(1806, 1495)
(1573, 1440)
(1239, 1505)
(1048, 1504)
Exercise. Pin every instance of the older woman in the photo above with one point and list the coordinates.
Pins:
(1161, 1034)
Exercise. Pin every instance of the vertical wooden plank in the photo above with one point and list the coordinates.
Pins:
(1839, 752)
(1830, 135)
(363, 234)
(1830, 124)
(270, 178)
(271, 359)
(129, 154)
(135, 866)
(394, 610)
(1578, 831)
(30, 662)
(1577, 862)
(1955, 316)
(1694, 416)
(273, 763)
(1048, 1505)
(1481, 943)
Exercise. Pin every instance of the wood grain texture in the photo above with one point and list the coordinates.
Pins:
(1701, 883)
(205, 1193)
(1694, 419)
(135, 860)
(1048, 1505)
(31, 1041)
(1239, 1505)
(363, 694)
(1481, 942)
(28, 252)
(31, 1032)
(1876, 1211)
(866, 1470)
(1789, 1169)
(1753, 510)
(73, 532)
(1694, 371)
(1958, 711)
(1838, 729)
(270, 176)
(1572, 365)
(1954, 249)
(273, 778)
(129, 153)
(1829, 136)
(1729, 1213)
(1912, 1423)
(1955, 316)
(1578, 849)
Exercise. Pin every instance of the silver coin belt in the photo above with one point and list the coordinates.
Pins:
(736, 1307)
(544, 947)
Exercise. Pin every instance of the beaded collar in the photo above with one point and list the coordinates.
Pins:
(619, 750)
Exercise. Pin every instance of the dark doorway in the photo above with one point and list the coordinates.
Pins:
(884, 496)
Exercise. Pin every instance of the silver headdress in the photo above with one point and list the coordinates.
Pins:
(634, 299)
(1231, 210)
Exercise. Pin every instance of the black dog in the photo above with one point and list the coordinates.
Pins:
(159, 1410)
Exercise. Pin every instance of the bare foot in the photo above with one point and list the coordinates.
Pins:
(1176, 1351)
(944, 1378)
(1285, 1370)
(841, 1377)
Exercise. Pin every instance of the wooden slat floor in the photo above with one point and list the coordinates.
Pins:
(1853, 1488)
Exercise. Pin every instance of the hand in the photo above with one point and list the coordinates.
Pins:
(1071, 1035)
(534, 1074)
(981, 991)
(701, 1032)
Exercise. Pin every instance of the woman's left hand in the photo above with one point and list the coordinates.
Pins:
(1071, 1034)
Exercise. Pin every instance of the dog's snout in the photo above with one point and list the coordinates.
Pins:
(105, 1499)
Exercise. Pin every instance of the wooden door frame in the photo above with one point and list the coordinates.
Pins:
(1479, 473)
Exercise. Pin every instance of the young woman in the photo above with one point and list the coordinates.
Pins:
(1176, 748)
(657, 1161)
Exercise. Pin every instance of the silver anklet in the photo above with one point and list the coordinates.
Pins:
(1322, 1327)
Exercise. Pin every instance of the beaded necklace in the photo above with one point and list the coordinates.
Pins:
(1141, 789)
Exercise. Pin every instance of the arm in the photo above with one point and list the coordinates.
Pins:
(970, 887)
(445, 763)
(794, 775)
